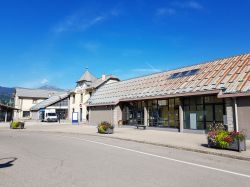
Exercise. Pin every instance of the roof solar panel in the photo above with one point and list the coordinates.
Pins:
(184, 73)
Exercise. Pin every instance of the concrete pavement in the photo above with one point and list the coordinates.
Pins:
(30, 158)
(184, 141)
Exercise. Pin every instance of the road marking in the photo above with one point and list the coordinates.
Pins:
(158, 156)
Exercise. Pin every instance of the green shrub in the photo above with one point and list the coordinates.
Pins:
(101, 130)
(220, 139)
(103, 126)
(15, 124)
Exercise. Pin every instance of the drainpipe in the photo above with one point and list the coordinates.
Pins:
(5, 119)
(181, 118)
(236, 115)
(112, 115)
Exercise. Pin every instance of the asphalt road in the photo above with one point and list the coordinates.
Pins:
(56, 159)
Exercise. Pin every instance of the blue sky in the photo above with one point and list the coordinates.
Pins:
(51, 42)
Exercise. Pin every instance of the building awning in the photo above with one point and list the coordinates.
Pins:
(2, 106)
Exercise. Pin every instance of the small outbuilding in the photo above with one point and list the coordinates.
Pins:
(6, 112)
(58, 103)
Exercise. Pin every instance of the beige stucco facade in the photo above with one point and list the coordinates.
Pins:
(24, 105)
(85, 87)
(77, 103)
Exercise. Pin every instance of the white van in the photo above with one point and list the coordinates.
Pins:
(49, 115)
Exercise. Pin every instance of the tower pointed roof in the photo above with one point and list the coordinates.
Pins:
(87, 77)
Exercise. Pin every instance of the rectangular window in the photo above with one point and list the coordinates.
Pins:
(162, 102)
(208, 110)
(81, 98)
(209, 113)
(26, 114)
(219, 113)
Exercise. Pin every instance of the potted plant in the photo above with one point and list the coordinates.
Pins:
(105, 128)
(227, 140)
(17, 124)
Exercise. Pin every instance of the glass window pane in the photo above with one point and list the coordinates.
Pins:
(209, 113)
(171, 103)
(199, 100)
(176, 114)
(186, 101)
(186, 108)
(162, 102)
(200, 125)
(193, 108)
(177, 101)
(143, 104)
(199, 113)
(218, 100)
(208, 99)
(192, 101)
(187, 120)
(218, 112)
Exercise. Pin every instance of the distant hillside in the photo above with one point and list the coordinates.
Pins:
(6, 95)
(6, 91)
(52, 88)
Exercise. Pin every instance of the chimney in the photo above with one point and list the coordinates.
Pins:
(103, 77)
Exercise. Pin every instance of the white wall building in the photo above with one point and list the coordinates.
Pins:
(85, 86)
(58, 103)
(25, 98)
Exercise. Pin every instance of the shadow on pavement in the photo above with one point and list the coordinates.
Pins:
(7, 162)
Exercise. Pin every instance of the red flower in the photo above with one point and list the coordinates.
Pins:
(228, 139)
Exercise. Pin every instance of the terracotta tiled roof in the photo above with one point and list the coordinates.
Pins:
(229, 74)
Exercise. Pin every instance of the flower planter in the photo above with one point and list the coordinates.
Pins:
(109, 131)
(105, 128)
(17, 124)
(236, 145)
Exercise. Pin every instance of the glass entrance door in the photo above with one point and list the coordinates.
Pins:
(134, 113)
(164, 113)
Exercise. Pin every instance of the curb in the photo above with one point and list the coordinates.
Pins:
(157, 144)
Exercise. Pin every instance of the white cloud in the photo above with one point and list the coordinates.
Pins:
(132, 73)
(91, 46)
(81, 20)
(34, 83)
(194, 5)
(177, 7)
(131, 52)
(189, 5)
(165, 12)
(44, 81)
(77, 23)
(146, 70)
